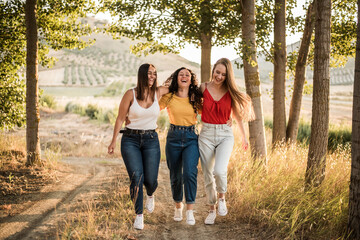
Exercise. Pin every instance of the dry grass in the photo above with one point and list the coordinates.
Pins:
(110, 216)
(19, 183)
(274, 197)
(271, 198)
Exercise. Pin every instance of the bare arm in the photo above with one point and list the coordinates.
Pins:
(122, 113)
(202, 87)
(240, 123)
(161, 91)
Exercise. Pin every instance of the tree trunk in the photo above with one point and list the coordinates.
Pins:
(32, 93)
(205, 39)
(252, 81)
(300, 70)
(315, 171)
(354, 193)
(279, 114)
(205, 57)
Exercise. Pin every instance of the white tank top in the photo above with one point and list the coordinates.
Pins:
(143, 118)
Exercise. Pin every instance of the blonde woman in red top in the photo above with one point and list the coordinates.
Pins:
(221, 99)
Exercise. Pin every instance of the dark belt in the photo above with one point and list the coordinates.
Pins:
(136, 131)
(185, 128)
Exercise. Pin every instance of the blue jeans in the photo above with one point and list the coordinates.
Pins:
(182, 157)
(141, 154)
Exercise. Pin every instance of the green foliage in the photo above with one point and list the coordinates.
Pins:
(91, 111)
(58, 28)
(343, 31)
(339, 136)
(75, 108)
(12, 58)
(265, 26)
(12, 102)
(47, 101)
(176, 22)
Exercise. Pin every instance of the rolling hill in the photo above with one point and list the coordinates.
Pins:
(107, 60)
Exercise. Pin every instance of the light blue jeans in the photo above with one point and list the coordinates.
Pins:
(216, 142)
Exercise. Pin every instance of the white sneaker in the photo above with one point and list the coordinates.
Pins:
(210, 219)
(139, 222)
(178, 213)
(150, 203)
(190, 217)
(222, 209)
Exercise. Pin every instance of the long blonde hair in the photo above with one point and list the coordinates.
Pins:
(240, 101)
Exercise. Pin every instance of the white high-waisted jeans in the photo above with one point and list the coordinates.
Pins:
(216, 142)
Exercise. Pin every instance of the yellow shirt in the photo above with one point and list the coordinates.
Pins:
(180, 111)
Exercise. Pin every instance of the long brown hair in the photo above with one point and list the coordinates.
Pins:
(143, 83)
(241, 101)
(194, 95)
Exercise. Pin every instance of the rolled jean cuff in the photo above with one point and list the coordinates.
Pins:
(192, 202)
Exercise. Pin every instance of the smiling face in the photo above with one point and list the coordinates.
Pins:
(152, 75)
(219, 74)
(184, 78)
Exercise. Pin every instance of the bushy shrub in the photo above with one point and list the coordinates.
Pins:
(339, 135)
(92, 111)
(47, 101)
(110, 116)
(75, 108)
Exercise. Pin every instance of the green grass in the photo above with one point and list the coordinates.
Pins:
(339, 134)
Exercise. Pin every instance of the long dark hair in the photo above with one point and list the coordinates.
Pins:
(143, 82)
(195, 95)
(241, 101)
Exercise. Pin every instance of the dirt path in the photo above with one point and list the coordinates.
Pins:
(40, 219)
(86, 178)
(160, 224)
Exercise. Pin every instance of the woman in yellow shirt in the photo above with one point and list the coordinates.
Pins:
(183, 103)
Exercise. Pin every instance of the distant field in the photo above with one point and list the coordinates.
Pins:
(107, 60)
(73, 91)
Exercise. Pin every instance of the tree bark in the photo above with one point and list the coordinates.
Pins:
(252, 81)
(205, 40)
(205, 57)
(300, 70)
(354, 193)
(32, 92)
(279, 114)
(315, 171)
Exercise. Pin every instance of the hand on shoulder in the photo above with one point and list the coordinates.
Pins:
(202, 87)
(162, 90)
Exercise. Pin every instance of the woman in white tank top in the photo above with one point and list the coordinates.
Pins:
(140, 147)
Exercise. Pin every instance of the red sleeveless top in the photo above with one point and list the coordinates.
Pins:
(216, 112)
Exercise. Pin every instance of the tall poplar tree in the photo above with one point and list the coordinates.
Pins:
(32, 90)
(354, 193)
(279, 114)
(300, 71)
(252, 80)
(315, 171)
(48, 24)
